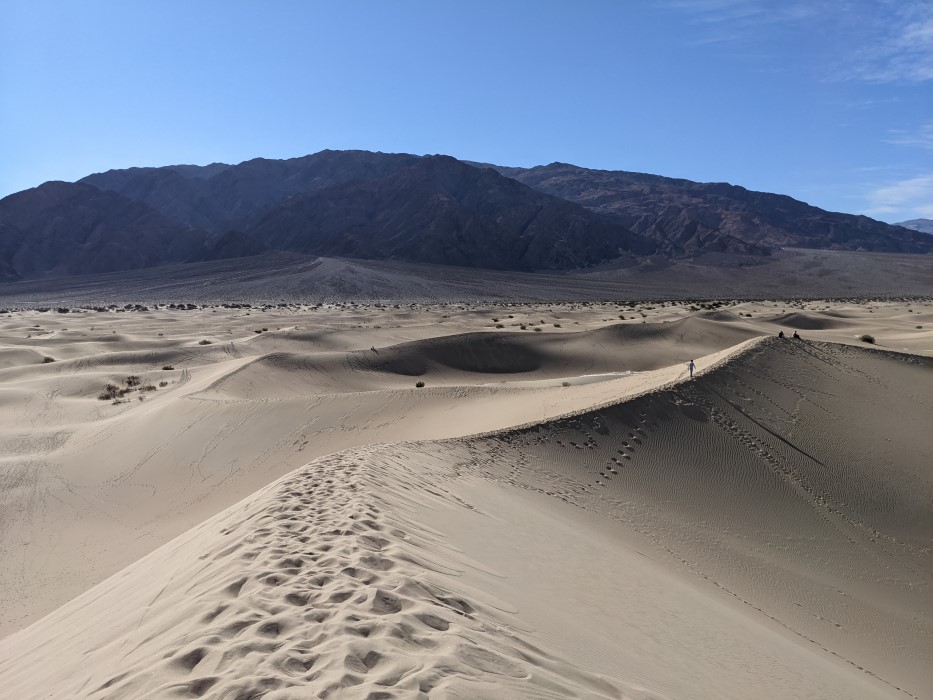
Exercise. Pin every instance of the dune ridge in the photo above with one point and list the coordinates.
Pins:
(312, 588)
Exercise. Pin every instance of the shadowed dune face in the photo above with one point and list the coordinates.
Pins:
(480, 353)
(476, 357)
(810, 322)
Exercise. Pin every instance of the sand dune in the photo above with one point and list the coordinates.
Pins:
(702, 540)
(233, 415)
(809, 321)
(608, 531)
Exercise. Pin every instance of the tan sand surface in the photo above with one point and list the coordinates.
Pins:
(763, 530)
(87, 487)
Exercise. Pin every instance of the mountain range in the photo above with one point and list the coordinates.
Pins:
(427, 209)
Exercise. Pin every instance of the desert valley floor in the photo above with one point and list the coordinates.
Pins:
(259, 502)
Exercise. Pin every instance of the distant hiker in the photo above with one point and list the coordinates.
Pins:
(691, 367)
(781, 334)
(796, 335)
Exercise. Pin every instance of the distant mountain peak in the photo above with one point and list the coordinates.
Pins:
(922, 225)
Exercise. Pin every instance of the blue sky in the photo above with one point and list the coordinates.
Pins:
(829, 101)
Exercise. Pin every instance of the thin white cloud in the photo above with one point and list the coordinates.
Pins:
(733, 21)
(904, 199)
(922, 137)
(897, 45)
(879, 41)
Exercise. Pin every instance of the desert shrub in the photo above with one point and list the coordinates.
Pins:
(867, 338)
(419, 384)
(133, 380)
(111, 391)
(168, 367)
(148, 387)
(163, 384)
(556, 325)
(565, 383)
(499, 325)
(204, 342)
(919, 326)
(538, 330)
(523, 326)
(257, 331)
(48, 359)
(264, 330)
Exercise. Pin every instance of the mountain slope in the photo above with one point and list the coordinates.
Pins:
(218, 197)
(441, 210)
(688, 218)
(922, 225)
(62, 228)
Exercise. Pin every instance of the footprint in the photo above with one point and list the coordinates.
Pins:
(385, 603)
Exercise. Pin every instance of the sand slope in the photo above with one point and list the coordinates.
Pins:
(87, 487)
(761, 531)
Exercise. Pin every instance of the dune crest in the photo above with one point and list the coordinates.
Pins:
(317, 587)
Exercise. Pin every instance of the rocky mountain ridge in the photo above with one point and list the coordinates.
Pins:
(404, 207)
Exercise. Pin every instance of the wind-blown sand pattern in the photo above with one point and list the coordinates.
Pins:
(761, 531)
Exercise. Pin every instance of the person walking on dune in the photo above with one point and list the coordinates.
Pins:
(691, 367)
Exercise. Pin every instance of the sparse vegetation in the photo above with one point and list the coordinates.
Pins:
(168, 368)
(204, 342)
(419, 385)
(111, 391)
(538, 330)
(47, 359)
(867, 339)
(116, 394)
(499, 325)
(163, 384)
(565, 383)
